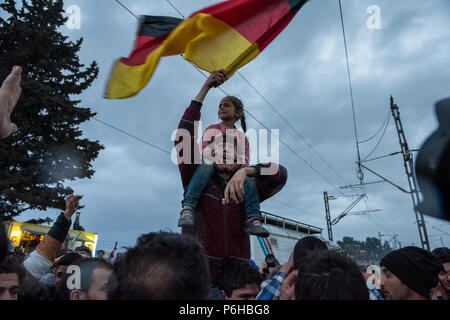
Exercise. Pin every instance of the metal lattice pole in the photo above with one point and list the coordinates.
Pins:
(409, 169)
(327, 215)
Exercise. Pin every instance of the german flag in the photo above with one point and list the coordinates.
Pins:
(227, 36)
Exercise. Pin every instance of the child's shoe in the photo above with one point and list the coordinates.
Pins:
(186, 217)
(254, 227)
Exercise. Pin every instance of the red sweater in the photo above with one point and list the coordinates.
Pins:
(218, 225)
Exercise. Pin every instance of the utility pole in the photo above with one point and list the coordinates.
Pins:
(327, 215)
(408, 162)
(397, 243)
(338, 218)
(446, 233)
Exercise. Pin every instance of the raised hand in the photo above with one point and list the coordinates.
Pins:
(9, 95)
(287, 291)
(71, 206)
(235, 187)
(215, 79)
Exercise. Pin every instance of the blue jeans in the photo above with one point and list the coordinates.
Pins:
(201, 178)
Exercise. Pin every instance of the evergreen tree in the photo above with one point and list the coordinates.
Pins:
(371, 248)
(48, 149)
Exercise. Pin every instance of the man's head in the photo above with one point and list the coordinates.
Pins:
(409, 273)
(327, 275)
(443, 256)
(101, 254)
(60, 266)
(304, 246)
(84, 251)
(239, 281)
(12, 274)
(86, 279)
(162, 266)
(225, 150)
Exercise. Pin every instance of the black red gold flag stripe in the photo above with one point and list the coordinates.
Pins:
(227, 36)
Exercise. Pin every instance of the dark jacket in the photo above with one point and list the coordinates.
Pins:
(218, 225)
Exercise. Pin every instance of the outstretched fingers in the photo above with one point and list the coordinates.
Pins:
(11, 88)
(10, 92)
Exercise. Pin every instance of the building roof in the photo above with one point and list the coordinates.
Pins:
(290, 224)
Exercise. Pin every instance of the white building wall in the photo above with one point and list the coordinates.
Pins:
(282, 241)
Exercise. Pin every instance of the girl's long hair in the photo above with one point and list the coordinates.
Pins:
(239, 107)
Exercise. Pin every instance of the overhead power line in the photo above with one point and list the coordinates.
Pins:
(360, 173)
(123, 6)
(132, 136)
(294, 129)
(378, 131)
(24, 84)
(175, 9)
(379, 141)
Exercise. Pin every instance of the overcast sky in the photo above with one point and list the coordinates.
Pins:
(303, 74)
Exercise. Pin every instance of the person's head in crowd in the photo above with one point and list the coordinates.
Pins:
(443, 256)
(84, 251)
(327, 275)
(61, 264)
(101, 254)
(12, 274)
(161, 266)
(239, 281)
(92, 283)
(305, 245)
(409, 273)
(32, 289)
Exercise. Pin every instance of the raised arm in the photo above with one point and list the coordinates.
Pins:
(52, 242)
(39, 261)
(186, 147)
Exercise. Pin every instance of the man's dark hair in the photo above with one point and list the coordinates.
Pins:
(304, 246)
(442, 254)
(68, 259)
(162, 266)
(327, 275)
(87, 266)
(13, 264)
(85, 249)
(236, 275)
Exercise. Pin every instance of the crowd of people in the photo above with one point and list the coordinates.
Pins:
(173, 266)
(170, 266)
